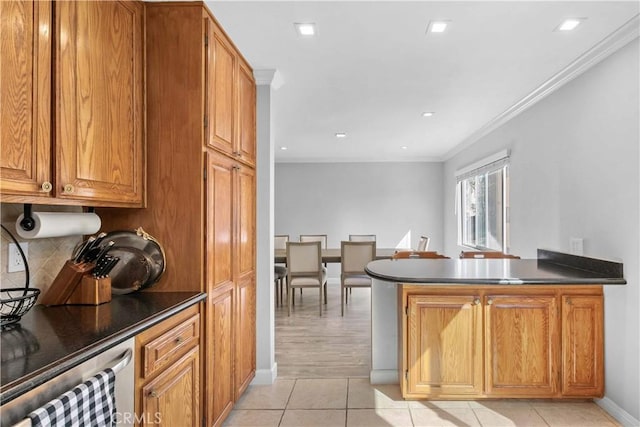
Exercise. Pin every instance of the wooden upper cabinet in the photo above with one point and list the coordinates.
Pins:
(230, 116)
(25, 97)
(582, 346)
(522, 345)
(246, 115)
(99, 101)
(444, 346)
(222, 92)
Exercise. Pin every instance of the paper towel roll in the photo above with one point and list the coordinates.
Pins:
(57, 224)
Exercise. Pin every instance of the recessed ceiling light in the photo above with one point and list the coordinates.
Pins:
(569, 24)
(437, 26)
(341, 135)
(305, 30)
(404, 147)
(428, 114)
(283, 148)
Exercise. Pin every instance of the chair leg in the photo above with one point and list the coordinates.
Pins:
(282, 285)
(325, 293)
(276, 292)
(320, 300)
(341, 299)
(289, 297)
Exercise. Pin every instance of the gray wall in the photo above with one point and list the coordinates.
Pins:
(574, 173)
(338, 199)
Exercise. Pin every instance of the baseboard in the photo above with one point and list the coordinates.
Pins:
(265, 376)
(384, 376)
(622, 416)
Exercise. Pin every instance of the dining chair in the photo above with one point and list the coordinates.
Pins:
(280, 241)
(362, 237)
(423, 244)
(279, 270)
(305, 270)
(486, 254)
(355, 257)
(418, 254)
(322, 238)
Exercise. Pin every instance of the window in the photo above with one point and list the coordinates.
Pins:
(483, 202)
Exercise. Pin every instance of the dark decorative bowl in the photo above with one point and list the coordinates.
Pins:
(14, 302)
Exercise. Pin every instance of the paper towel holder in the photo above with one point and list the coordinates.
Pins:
(27, 223)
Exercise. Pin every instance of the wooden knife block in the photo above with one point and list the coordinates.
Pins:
(65, 283)
(91, 291)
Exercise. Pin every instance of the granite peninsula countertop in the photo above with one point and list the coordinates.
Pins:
(51, 340)
(549, 268)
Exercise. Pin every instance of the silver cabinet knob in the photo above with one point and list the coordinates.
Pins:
(68, 188)
(46, 186)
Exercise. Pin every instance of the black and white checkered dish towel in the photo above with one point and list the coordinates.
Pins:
(91, 403)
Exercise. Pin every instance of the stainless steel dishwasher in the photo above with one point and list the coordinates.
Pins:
(14, 413)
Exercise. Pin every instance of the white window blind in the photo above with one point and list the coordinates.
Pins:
(487, 165)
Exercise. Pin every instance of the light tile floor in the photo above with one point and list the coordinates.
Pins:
(350, 402)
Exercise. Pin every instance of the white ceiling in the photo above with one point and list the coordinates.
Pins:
(372, 70)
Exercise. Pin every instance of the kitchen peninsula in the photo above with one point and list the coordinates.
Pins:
(491, 328)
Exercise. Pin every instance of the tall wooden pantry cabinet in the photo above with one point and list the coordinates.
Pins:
(201, 186)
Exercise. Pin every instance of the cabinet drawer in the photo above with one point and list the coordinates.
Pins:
(171, 345)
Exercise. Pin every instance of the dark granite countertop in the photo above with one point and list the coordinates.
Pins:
(51, 340)
(550, 268)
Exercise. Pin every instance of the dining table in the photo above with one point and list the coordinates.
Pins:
(334, 255)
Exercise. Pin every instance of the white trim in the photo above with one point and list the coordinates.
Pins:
(360, 160)
(617, 412)
(502, 154)
(265, 376)
(264, 77)
(610, 44)
(384, 376)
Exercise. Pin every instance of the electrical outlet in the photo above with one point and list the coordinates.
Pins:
(15, 259)
(576, 245)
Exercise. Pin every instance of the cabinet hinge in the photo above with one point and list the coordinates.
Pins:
(406, 310)
(206, 122)
(406, 375)
(206, 40)
(205, 173)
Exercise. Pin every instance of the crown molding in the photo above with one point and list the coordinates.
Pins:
(610, 44)
(264, 77)
(359, 160)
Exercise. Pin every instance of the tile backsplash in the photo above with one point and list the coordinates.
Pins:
(46, 256)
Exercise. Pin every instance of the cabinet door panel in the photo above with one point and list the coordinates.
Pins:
(172, 399)
(444, 346)
(246, 222)
(99, 118)
(246, 115)
(220, 350)
(245, 363)
(222, 93)
(220, 182)
(25, 97)
(582, 346)
(522, 345)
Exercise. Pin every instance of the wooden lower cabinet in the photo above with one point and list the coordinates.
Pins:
(583, 349)
(245, 363)
(167, 371)
(501, 341)
(522, 345)
(444, 346)
(172, 398)
(219, 389)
